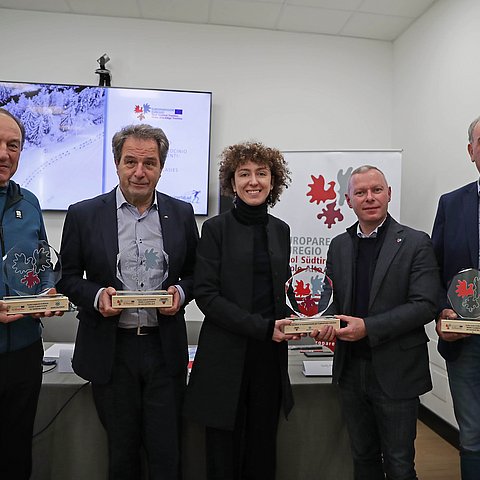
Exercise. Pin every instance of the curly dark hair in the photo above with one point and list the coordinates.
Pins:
(235, 155)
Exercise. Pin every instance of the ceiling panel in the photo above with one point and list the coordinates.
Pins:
(316, 20)
(119, 8)
(59, 6)
(405, 8)
(244, 13)
(350, 5)
(175, 10)
(376, 19)
(375, 26)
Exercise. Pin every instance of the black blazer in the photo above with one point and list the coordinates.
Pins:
(223, 291)
(403, 298)
(455, 241)
(90, 246)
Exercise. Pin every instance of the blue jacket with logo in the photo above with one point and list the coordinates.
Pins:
(21, 222)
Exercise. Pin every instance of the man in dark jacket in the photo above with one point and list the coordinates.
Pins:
(137, 358)
(455, 238)
(386, 284)
(21, 349)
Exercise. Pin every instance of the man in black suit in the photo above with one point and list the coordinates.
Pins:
(386, 284)
(136, 359)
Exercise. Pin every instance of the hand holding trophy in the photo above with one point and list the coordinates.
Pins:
(309, 293)
(142, 272)
(31, 271)
(464, 297)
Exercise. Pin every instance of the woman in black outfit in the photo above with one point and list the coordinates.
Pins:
(239, 379)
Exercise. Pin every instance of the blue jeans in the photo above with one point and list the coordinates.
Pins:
(464, 378)
(382, 430)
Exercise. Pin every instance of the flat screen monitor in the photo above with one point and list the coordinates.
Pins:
(68, 157)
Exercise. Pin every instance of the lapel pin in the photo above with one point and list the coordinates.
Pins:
(399, 240)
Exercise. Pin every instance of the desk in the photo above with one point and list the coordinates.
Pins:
(312, 443)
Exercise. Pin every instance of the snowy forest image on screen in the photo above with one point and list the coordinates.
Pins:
(62, 160)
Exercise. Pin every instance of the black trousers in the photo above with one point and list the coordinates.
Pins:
(249, 451)
(20, 382)
(139, 408)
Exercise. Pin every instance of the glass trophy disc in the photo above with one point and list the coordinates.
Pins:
(309, 293)
(464, 297)
(30, 270)
(142, 271)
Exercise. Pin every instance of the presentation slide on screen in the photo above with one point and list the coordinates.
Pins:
(185, 119)
(67, 155)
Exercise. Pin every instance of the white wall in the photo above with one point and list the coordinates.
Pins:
(435, 98)
(436, 92)
(292, 91)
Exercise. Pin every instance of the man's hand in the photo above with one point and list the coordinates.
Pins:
(355, 329)
(4, 318)
(48, 313)
(105, 303)
(326, 334)
(175, 305)
(448, 314)
(278, 335)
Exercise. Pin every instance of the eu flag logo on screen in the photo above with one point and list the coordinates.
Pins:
(178, 111)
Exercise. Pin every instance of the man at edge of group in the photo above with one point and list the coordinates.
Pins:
(21, 349)
(136, 359)
(455, 238)
(386, 285)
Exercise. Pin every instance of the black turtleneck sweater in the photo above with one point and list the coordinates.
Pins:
(257, 218)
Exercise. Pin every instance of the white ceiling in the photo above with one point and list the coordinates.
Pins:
(376, 19)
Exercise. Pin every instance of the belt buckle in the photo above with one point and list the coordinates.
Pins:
(139, 331)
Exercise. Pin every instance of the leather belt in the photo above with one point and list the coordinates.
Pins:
(138, 331)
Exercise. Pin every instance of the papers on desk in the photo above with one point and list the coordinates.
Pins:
(320, 350)
(53, 352)
(62, 353)
(318, 368)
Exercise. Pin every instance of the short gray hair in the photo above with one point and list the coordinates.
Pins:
(364, 169)
(143, 132)
(471, 128)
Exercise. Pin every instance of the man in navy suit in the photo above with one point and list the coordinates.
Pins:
(455, 239)
(136, 359)
(385, 287)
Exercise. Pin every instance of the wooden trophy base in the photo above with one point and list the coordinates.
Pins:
(461, 325)
(36, 304)
(133, 299)
(313, 323)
